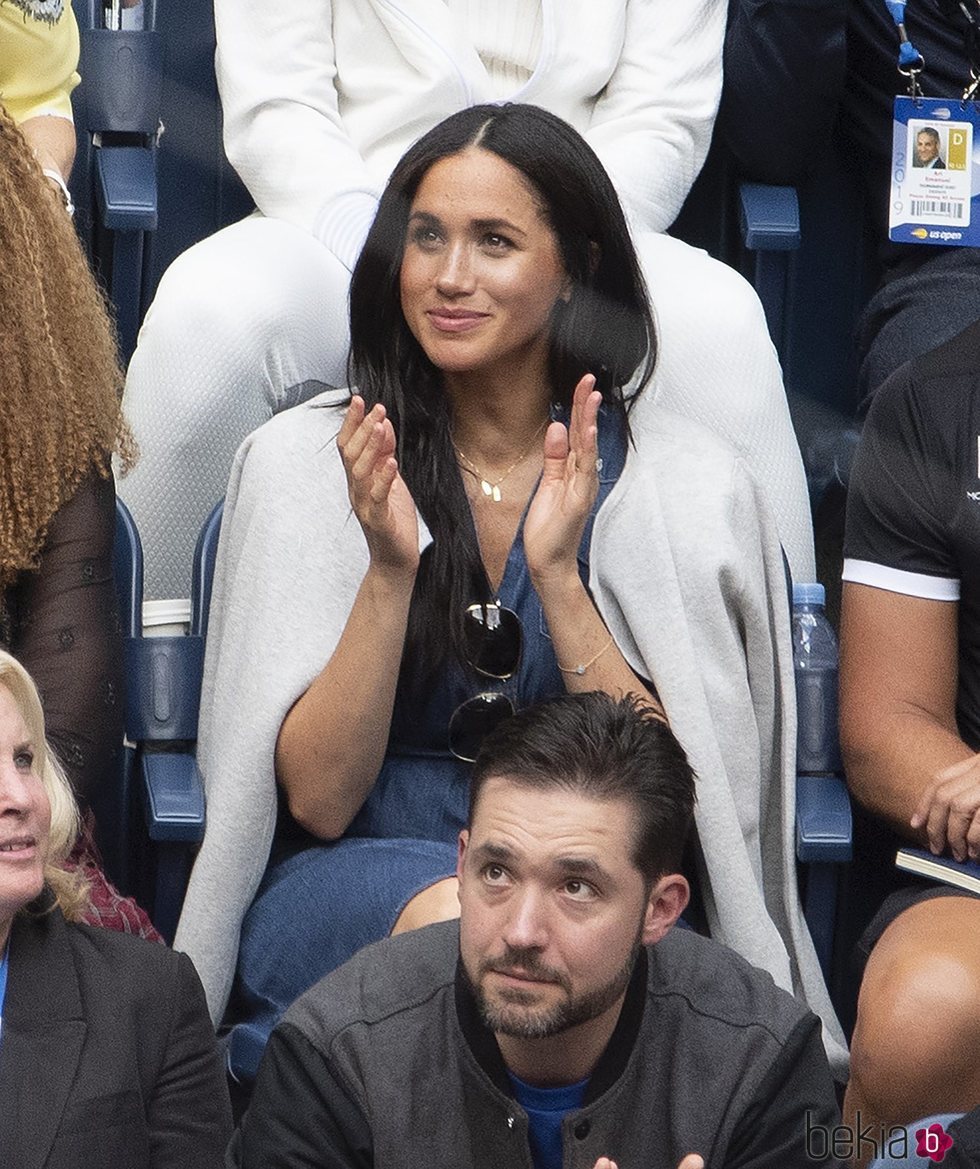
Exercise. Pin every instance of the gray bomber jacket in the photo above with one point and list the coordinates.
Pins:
(385, 1063)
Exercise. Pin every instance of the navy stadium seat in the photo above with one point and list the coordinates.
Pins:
(150, 177)
(152, 853)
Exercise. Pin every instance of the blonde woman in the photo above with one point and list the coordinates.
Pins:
(107, 1057)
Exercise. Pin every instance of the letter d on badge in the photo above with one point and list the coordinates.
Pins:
(957, 152)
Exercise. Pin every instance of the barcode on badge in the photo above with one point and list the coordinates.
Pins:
(937, 208)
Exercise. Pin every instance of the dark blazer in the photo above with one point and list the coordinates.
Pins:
(107, 1054)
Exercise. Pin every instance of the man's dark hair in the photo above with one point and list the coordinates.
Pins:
(930, 132)
(606, 749)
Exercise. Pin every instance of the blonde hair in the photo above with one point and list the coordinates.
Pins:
(60, 379)
(69, 888)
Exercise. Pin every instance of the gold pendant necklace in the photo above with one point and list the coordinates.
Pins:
(491, 488)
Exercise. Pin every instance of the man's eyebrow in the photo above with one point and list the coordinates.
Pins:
(489, 850)
(581, 866)
(572, 865)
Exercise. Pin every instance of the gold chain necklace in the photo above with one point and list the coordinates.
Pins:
(491, 488)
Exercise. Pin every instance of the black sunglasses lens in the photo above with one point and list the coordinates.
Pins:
(493, 640)
(474, 720)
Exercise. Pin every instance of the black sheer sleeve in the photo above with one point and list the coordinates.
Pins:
(64, 628)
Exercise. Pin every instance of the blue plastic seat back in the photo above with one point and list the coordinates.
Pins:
(143, 196)
(202, 578)
(155, 817)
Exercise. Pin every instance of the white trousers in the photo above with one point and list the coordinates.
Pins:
(254, 319)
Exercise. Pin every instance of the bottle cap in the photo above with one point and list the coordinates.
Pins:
(809, 594)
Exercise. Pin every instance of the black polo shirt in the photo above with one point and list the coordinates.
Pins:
(913, 510)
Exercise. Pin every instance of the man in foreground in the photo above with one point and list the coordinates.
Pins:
(562, 1021)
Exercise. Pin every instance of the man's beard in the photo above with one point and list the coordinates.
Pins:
(512, 1011)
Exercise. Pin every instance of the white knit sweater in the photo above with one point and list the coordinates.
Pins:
(320, 99)
(507, 37)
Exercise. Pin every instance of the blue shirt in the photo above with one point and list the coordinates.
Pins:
(546, 1109)
(4, 967)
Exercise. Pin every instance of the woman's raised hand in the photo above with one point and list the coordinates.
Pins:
(569, 482)
(381, 501)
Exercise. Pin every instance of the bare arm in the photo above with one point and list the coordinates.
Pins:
(44, 74)
(53, 141)
(332, 742)
(906, 759)
(898, 670)
(552, 534)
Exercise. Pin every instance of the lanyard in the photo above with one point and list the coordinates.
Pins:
(971, 11)
(910, 60)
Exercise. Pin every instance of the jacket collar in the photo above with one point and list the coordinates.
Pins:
(41, 1038)
(612, 1063)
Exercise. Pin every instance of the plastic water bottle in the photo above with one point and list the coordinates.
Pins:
(815, 664)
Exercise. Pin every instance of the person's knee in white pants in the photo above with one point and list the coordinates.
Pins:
(717, 364)
(245, 323)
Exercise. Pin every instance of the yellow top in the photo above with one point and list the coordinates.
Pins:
(38, 57)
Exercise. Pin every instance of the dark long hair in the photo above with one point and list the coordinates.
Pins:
(605, 329)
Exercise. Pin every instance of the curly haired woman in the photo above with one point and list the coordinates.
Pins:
(59, 394)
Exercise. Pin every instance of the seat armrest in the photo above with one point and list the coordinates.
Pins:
(824, 828)
(174, 796)
(126, 187)
(770, 217)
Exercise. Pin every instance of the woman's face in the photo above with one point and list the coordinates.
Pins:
(25, 815)
(482, 270)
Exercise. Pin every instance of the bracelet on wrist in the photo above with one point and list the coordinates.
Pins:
(55, 177)
(582, 667)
